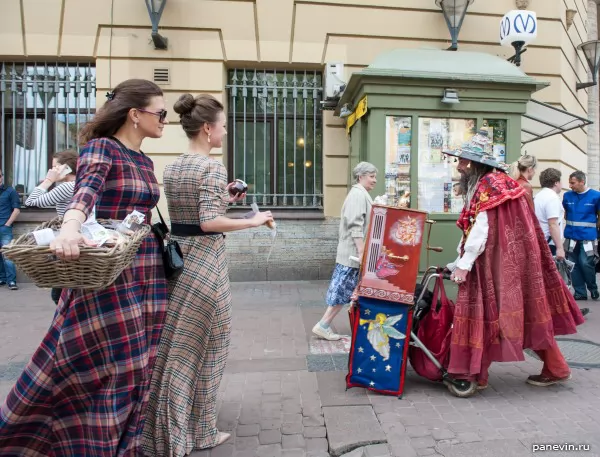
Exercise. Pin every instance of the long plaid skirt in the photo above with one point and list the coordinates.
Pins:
(85, 390)
(182, 413)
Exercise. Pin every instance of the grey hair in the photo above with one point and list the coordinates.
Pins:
(362, 169)
(578, 175)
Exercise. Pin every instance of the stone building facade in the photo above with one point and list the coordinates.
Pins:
(294, 154)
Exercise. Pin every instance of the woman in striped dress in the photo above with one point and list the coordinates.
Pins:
(193, 350)
(60, 196)
(85, 390)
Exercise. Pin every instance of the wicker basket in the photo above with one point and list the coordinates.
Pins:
(96, 268)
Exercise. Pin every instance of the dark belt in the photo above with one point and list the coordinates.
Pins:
(190, 230)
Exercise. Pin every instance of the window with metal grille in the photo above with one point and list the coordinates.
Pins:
(42, 107)
(275, 136)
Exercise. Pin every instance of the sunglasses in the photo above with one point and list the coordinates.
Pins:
(162, 114)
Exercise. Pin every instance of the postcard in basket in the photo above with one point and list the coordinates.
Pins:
(133, 220)
(95, 232)
(45, 236)
(390, 263)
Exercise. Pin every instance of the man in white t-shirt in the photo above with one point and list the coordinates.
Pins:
(551, 214)
(549, 210)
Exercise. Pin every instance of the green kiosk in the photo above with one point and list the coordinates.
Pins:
(410, 105)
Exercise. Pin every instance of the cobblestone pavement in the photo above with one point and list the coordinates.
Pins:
(283, 394)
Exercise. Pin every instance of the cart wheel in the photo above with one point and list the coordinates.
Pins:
(466, 388)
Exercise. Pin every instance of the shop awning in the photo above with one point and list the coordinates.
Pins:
(542, 120)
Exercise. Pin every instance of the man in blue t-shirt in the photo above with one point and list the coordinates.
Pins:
(10, 208)
(582, 207)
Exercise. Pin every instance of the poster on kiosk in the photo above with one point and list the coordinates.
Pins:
(382, 319)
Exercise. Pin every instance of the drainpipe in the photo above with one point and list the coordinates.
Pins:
(593, 140)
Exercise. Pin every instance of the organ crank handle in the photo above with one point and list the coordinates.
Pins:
(430, 223)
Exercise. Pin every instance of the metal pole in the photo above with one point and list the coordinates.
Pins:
(265, 92)
(13, 87)
(295, 95)
(285, 165)
(56, 93)
(46, 90)
(233, 102)
(24, 154)
(254, 102)
(304, 99)
(76, 93)
(88, 91)
(275, 148)
(428, 353)
(245, 95)
(66, 93)
(315, 97)
(2, 104)
(37, 149)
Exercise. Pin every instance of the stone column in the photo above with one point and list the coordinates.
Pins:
(593, 143)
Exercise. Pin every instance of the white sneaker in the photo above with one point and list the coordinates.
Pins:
(326, 334)
(335, 332)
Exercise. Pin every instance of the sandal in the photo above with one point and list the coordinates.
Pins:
(222, 437)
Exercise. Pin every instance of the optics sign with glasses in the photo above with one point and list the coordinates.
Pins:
(518, 28)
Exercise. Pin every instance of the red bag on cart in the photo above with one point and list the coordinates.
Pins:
(435, 331)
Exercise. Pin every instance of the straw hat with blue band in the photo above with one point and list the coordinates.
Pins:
(475, 151)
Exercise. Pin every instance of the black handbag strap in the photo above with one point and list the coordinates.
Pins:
(186, 230)
(162, 221)
(124, 149)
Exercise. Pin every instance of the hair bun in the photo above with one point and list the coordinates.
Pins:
(185, 104)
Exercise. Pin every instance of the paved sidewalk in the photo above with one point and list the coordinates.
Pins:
(283, 393)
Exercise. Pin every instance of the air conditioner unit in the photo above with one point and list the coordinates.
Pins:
(334, 80)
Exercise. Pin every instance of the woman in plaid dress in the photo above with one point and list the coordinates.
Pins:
(194, 345)
(85, 390)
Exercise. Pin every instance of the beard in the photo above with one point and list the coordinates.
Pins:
(463, 184)
(469, 180)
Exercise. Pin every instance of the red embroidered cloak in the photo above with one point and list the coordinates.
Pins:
(513, 297)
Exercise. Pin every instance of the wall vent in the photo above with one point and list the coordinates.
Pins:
(162, 76)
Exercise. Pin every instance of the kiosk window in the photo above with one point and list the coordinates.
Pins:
(497, 132)
(397, 160)
(438, 185)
